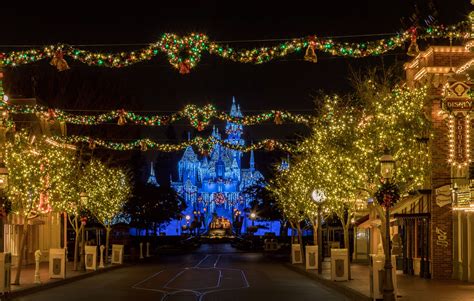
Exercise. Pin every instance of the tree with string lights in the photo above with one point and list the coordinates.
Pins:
(107, 191)
(36, 167)
(341, 157)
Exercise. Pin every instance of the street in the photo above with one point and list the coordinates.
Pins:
(213, 272)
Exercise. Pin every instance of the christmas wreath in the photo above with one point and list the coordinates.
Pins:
(388, 194)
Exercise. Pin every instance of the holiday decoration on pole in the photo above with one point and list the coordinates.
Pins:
(388, 194)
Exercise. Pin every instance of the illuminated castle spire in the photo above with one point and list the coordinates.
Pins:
(152, 178)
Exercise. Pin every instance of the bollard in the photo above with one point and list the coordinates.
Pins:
(101, 264)
(141, 250)
(147, 249)
(37, 260)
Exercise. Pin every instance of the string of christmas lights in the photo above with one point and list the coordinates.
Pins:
(198, 117)
(204, 145)
(185, 52)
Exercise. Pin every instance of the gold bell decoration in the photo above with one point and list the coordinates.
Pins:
(91, 144)
(184, 67)
(59, 62)
(143, 146)
(413, 49)
(270, 145)
(310, 54)
(278, 119)
(121, 117)
(51, 116)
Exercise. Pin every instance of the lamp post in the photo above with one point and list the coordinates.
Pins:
(188, 217)
(319, 197)
(3, 168)
(84, 199)
(3, 196)
(387, 168)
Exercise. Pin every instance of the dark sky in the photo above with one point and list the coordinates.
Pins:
(283, 84)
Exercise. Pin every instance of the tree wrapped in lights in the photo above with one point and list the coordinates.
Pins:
(292, 200)
(68, 199)
(329, 164)
(107, 189)
(342, 155)
(393, 119)
(36, 170)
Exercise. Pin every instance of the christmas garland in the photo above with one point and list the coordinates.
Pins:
(388, 194)
(198, 117)
(184, 53)
(204, 145)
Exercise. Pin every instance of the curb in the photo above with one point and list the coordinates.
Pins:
(45, 286)
(347, 291)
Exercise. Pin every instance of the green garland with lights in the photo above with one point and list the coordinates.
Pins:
(204, 145)
(197, 116)
(185, 52)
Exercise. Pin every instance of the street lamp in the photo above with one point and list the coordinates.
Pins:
(252, 217)
(188, 217)
(387, 169)
(319, 197)
(84, 198)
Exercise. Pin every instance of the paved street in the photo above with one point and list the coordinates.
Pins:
(214, 272)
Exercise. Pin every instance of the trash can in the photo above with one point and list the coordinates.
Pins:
(57, 263)
(377, 275)
(117, 254)
(339, 265)
(91, 257)
(296, 254)
(5, 272)
(312, 257)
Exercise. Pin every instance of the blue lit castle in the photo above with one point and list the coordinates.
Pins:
(214, 186)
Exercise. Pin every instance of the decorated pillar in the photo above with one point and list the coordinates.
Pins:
(450, 176)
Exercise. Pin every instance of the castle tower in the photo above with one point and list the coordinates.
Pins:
(152, 178)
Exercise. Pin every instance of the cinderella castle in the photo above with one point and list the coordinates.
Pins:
(214, 186)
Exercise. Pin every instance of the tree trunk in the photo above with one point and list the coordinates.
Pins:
(346, 245)
(300, 239)
(22, 248)
(315, 233)
(292, 232)
(76, 243)
(107, 235)
(381, 215)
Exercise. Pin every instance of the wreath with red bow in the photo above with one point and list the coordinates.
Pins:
(388, 194)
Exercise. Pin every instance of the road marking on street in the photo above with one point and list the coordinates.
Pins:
(217, 260)
(199, 263)
(199, 294)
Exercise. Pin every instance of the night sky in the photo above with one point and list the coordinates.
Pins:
(288, 83)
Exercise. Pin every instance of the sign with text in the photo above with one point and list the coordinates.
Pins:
(457, 97)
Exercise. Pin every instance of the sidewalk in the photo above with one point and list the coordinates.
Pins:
(410, 288)
(27, 277)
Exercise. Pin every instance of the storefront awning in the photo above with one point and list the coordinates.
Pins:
(405, 203)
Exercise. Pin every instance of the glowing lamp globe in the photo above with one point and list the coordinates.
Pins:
(188, 217)
(253, 215)
(84, 198)
(387, 166)
(318, 196)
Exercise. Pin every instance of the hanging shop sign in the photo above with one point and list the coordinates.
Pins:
(457, 97)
